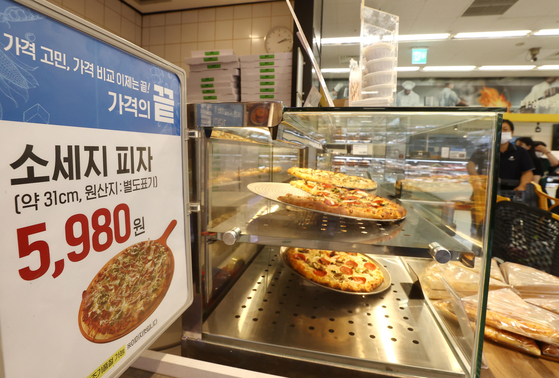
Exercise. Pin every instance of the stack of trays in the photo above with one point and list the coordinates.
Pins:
(379, 79)
(266, 77)
(214, 76)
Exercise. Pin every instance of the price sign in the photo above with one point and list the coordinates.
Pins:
(95, 260)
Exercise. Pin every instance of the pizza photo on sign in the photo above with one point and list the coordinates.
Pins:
(348, 272)
(127, 290)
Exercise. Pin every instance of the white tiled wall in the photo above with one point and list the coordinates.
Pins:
(174, 35)
(242, 28)
(113, 15)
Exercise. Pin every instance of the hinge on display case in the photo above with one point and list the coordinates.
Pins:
(193, 134)
(194, 207)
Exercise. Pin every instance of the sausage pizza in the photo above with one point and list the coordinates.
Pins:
(356, 203)
(346, 271)
(126, 291)
(332, 178)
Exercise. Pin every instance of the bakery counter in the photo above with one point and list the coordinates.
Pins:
(271, 310)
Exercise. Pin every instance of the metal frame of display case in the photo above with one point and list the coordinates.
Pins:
(269, 321)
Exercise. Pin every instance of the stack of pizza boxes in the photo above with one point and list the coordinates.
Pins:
(266, 77)
(214, 77)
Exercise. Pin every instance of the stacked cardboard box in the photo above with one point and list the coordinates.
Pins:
(214, 76)
(266, 77)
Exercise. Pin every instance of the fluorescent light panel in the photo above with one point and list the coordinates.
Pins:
(422, 37)
(449, 68)
(334, 70)
(496, 34)
(506, 68)
(549, 67)
(547, 32)
(443, 36)
(402, 69)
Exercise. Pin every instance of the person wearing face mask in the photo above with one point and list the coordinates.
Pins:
(528, 144)
(548, 161)
(515, 170)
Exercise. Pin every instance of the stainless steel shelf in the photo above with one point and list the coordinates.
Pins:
(270, 223)
(273, 311)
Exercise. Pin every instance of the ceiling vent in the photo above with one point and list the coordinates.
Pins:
(488, 7)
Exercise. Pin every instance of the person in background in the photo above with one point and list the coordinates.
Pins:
(528, 144)
(448, 97)
(408, 97)
(339, 91)
(548, 161)
(515, 170)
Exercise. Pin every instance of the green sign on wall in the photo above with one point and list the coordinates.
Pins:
(419, 56)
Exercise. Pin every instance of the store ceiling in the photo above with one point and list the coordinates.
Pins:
(341, 19)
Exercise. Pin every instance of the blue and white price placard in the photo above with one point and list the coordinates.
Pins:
(91, 152)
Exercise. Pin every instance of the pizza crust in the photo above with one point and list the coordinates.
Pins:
(333, 178)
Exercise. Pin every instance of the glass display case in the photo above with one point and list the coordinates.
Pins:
(253, 311)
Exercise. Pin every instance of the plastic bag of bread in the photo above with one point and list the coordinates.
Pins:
(465, 281)
(507, 311)
(508, 339)
(529, 281)
(550, 350)
(549, 302)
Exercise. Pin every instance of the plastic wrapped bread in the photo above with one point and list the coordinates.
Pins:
(507, 311)
(465, 281)
(548, 302)
(508, 339)
(550, 350)
(529, 281)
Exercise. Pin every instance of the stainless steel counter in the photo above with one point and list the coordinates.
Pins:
(273, 311)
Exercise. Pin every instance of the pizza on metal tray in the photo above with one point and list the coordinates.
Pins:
(356, 203)
(332, 178)
(346, 271)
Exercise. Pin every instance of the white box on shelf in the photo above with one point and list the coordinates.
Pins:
(266, 76)
(267, 70)
(190, 86)
(265, 57)
(269, 63)
(212, 59)
(212, 97)
(264, 90)
(217, 75)
(202, 53)
(215, 66)
(265, 83)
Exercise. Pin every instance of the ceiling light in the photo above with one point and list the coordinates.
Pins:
(334, 70)
(449, 68)
(547, 32)
(506, 68)
(549, 67)
(340, 41)
(401, 69)
(497, 34)
(422, 37)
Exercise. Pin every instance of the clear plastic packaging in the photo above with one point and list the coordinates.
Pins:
(381, 90)
(529, 281)
(464, 281)
(508, 339)
(507, 311)
(377, 78)
(548, 302)
(550, 350)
